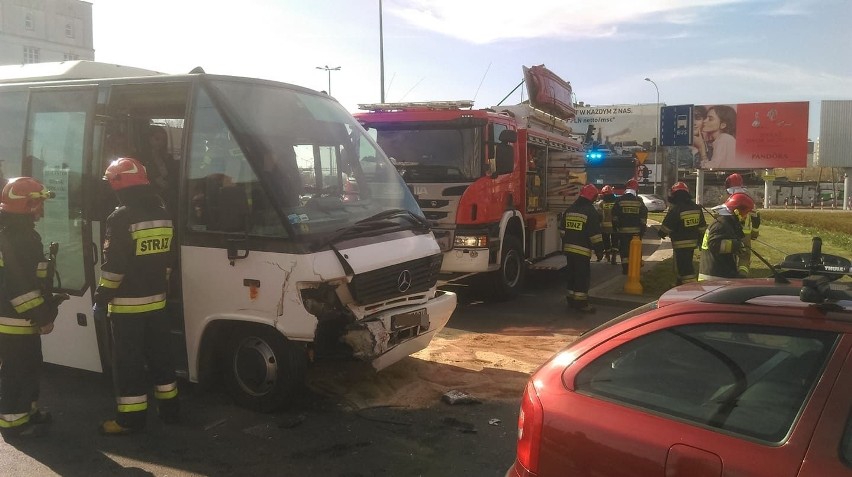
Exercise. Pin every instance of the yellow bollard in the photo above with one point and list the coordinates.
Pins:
(634, 263)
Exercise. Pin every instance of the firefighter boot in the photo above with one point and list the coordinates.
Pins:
(169, 411)
(113, 428)
(583, 306)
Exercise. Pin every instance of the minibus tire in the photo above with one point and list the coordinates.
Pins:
(263, 370)
(508, 281)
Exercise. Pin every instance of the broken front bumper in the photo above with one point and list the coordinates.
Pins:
(392, 335)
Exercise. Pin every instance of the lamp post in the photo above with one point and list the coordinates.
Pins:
(657, 144)
(326, 67)
(381, 54)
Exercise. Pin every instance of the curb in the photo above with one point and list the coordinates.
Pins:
(611, 292)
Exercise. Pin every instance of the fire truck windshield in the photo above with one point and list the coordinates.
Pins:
(424, 153)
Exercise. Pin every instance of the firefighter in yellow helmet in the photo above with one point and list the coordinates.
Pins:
(27, 307)
(724, 239)
(138, 256)
(581, 236)
(685, 224)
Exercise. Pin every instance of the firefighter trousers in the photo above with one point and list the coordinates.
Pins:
(140, 341)
(684, 266)
(20, 369)
(624, 249)
(579, 277)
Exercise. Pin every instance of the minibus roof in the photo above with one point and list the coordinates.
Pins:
(69, 70)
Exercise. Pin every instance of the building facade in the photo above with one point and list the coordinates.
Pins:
(39, 31)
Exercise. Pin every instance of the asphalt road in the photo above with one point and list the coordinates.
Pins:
(321, 436)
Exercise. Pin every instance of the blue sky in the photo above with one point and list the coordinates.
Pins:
(697, 51)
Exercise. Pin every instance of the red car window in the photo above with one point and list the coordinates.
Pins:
(749, 380)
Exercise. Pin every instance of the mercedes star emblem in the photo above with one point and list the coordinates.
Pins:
(403, 283)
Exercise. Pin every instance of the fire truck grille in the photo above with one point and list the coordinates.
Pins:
(398, 280)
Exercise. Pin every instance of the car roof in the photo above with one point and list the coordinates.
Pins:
(834, 298)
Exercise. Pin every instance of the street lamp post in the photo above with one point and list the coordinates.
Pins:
(326, 67)
(657, 144)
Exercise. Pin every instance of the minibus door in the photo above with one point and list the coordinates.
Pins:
(58, 151)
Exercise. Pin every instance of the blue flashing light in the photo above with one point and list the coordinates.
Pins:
(595, 156)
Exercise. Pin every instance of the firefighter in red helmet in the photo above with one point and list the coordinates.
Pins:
(581, 235)
(137, 258)
(604, 207)
(27, 307)
(733, 184)
(724, 238)
(629, 218)
(684, 223)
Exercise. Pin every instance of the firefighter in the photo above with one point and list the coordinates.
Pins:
(137, 259)
(27, 307)
(581, 234)
(724, 238)
(629, 218)
(734, 184)
(605, 208)
(685, 224)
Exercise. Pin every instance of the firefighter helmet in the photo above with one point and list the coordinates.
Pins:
(733, 180)
(740, 203)
(679, 186)
(632, 184)
(589, 191)
(24, 195)
(125, 172)
(607, 190)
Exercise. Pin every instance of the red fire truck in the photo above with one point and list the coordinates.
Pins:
(492, 181)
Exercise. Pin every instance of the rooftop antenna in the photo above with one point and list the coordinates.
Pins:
(481, 81)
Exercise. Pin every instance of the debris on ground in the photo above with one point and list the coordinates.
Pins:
(494, 422)
(454, 396)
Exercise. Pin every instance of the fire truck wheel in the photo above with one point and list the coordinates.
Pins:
(263, 369)
(509, 279)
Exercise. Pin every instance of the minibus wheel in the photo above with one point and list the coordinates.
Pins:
(263, 369)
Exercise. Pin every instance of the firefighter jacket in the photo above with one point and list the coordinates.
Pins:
(604, 207)
(629, 215)
(26, 303)
(581, 229)
(722, 241)
(684, 223)
(137, 256)
(751, 225)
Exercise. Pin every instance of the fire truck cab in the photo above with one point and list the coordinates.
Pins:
(492, 181)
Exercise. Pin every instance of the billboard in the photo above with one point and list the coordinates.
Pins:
(622, 128)
(750, 135)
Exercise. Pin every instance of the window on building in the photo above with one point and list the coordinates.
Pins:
(70, 57)
(31, 54)
(28, 22)
(69, 30)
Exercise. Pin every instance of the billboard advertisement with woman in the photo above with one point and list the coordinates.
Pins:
(750, 135)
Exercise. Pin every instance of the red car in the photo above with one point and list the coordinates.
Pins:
(727, 378)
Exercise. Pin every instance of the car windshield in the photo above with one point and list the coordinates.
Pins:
(320, 172)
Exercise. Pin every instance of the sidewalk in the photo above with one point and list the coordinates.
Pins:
(612, 290)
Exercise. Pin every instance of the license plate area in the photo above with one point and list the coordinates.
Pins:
(416, 318)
